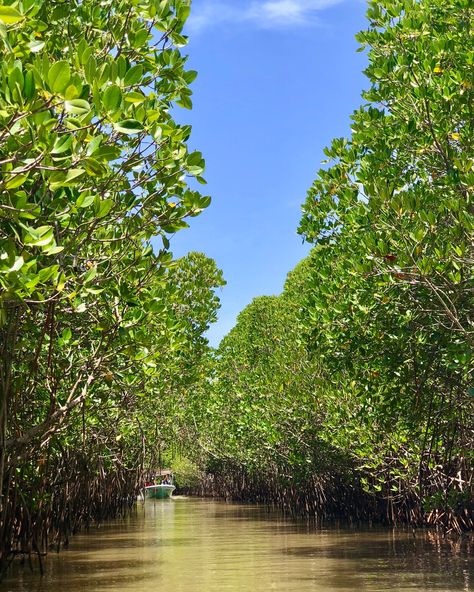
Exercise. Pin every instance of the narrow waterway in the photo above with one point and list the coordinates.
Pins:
(188, 545)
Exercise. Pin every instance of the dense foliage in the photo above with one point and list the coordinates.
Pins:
(99, 333)
(350, 394)
(363, 366)
(393, 219)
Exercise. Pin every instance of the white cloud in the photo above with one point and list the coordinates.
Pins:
(209, 13)
(278, 12)
(260, 13)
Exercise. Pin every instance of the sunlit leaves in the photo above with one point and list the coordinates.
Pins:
(91, 158)
(128, 126)
(367, 354)
(59, 76)
(38, 237)
(195, 163)
(77, 107)
(10, 15)
(15, 180)
(391, 292)
(102, 207)
(90, 117)
(62, 144)
(65, 179)
(112, 98)
(133, 76)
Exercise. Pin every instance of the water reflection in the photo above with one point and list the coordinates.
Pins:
(203, 546)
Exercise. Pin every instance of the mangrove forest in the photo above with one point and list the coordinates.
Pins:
(348, 396)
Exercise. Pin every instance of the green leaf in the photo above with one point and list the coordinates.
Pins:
(134, 97)
(62, 144)
(47, 273)
(16, 180)
(54, 250)
(195, 163)
(9, 15)
(133, 76)
(39, 237)
(36, 46)
(77, 106)
(19, 262)
(128, 126)
(112, 98)
(16, 81)
(190, 76)
(107, 153)
(84, 201)
(59, 76)
(103, 208)
(61, 179)
(185, 102)
(72, 123)
(91, 69)
(90, 275)
(72, 92)
(61, 282)
(94, 167)
(172, 228)
(29, 88)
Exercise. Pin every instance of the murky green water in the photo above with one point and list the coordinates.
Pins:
(187, 545)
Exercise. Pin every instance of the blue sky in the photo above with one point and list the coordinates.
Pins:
(278, 79)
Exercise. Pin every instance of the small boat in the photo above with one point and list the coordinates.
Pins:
(160, 491)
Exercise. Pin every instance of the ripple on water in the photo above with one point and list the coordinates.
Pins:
(188, 545)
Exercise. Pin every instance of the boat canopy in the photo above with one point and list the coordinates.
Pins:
(160, 472)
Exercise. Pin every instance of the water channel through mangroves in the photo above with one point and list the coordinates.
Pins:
(189, 545)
